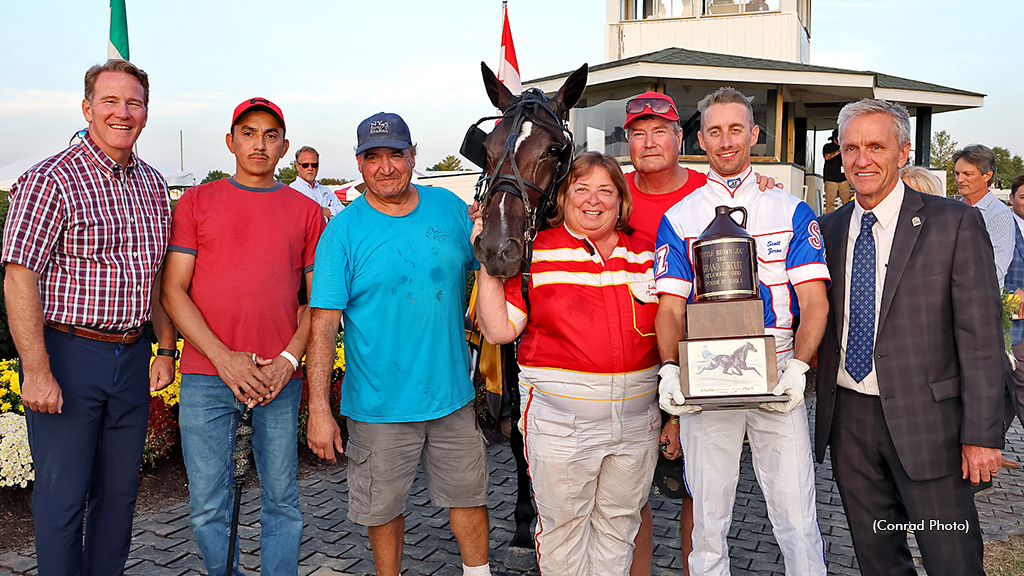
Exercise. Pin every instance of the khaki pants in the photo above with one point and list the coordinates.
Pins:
(591, 476)
(831, 188)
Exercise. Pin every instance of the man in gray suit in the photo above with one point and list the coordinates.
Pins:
(910, 376)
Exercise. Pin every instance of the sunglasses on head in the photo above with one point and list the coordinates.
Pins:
(309, 164)
(657, 105)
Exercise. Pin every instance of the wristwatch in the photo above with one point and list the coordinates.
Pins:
(172, 352)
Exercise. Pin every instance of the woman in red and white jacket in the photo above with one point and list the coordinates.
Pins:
(588, 371)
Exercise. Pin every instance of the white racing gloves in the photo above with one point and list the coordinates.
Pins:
(670, 394)
(792, 382)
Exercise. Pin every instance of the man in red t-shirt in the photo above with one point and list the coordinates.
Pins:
(239, 250)
(657, 183)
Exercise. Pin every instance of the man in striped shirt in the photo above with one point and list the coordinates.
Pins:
(83, 246)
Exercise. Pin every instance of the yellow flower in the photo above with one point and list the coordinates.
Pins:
(339, 357)
(9, 377)
(170, 394)
(5, 407)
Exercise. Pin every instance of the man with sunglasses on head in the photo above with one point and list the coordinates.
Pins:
(657, 183)
(83, 246)
(307, 164)
(240, 249)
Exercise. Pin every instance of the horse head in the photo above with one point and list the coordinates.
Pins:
(527, 154)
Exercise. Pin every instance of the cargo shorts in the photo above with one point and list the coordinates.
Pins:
(383, 457)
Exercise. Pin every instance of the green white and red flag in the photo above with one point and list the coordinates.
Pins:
(117, 47)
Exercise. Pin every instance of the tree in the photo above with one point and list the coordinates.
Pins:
(449, 164)
(215, 175)
(333, 181)
(943, 147)
(1017, 168)
(288, 174)
(1007, 166)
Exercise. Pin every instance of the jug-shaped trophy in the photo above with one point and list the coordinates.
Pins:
(725, 259)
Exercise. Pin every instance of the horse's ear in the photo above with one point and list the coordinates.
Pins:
(570, 92)
(500, 95)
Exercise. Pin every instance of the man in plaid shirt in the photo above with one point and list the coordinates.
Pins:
(83, 246)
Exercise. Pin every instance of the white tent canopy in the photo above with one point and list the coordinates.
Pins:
(10, 173)
(177, 179)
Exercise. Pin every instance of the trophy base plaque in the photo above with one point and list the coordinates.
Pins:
(726, 361)
(731, 368)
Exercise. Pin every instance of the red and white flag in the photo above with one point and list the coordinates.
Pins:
(508, 66)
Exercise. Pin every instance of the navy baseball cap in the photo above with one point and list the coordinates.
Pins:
(383, 130)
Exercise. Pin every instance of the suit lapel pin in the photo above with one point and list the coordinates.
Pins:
(916, 221)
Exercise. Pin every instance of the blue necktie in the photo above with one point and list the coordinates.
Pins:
(860, 341)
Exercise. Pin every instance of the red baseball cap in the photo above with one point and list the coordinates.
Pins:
(651, 104)
(263, 104)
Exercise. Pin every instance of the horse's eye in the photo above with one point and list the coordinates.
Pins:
(554, 150)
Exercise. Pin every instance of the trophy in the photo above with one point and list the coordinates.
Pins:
(725, 359)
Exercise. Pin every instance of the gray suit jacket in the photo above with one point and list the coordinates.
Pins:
(938, 353)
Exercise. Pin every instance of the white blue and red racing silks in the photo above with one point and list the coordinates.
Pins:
(789, 246)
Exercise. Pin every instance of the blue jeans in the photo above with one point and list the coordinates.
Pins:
(209, 416)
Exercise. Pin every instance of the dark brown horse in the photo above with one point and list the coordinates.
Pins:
(523, 160)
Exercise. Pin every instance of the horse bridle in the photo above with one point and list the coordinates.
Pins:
(530, 105)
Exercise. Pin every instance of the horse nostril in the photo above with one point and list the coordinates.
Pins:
(512, 251)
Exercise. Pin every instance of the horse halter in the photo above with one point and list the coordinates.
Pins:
(531, 106)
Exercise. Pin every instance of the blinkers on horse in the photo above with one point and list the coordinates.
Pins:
(524, 159)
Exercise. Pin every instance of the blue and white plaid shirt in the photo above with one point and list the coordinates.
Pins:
(1000, 226)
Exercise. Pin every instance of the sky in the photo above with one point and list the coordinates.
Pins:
(331, 63)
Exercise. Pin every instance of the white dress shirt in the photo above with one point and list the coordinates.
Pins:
(883, 231)
(320, 194)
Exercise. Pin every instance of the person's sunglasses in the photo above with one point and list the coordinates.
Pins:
(657, 105)
(309, 164)
(80, 135)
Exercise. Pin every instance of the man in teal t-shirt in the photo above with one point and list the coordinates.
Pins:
(394, 263)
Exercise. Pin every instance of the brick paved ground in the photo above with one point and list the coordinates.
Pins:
(332, 545)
